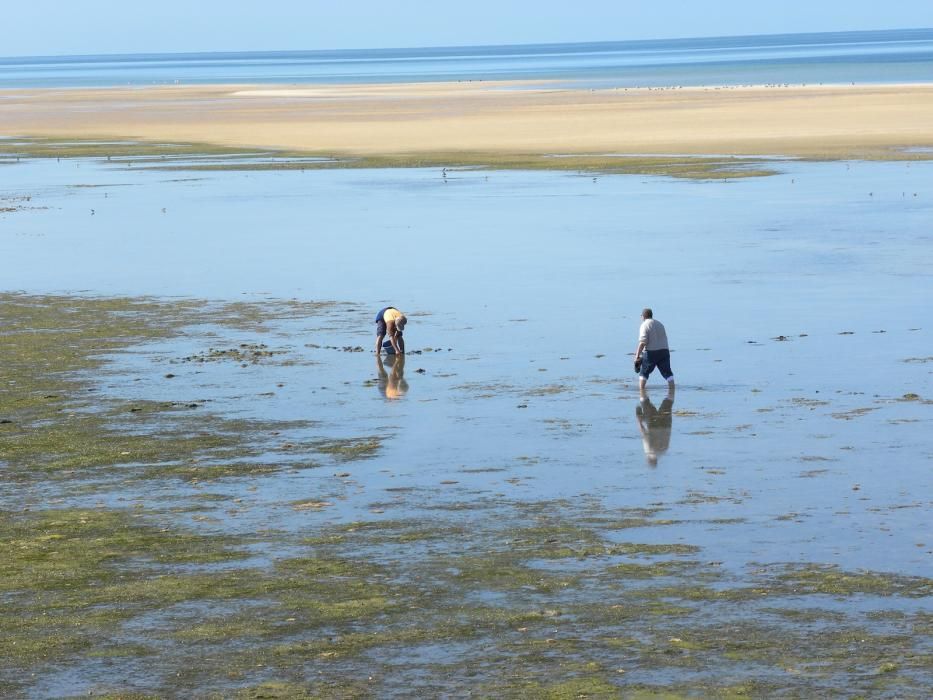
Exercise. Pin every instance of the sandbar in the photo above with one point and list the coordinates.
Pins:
(495, 118)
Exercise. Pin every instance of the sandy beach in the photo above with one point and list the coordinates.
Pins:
(496, 118)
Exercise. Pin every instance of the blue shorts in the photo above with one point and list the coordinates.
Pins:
(656, 358)
(380, 322)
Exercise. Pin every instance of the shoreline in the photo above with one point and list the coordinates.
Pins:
(491, 123)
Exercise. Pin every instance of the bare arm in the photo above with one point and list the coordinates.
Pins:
(394, 337)
(639, 349)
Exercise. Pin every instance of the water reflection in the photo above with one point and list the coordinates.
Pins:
(655, 426)
(392, 385)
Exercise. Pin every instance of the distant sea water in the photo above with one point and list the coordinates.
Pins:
(901, 56)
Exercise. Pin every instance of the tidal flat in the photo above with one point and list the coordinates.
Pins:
(204, 157)
(209, 491)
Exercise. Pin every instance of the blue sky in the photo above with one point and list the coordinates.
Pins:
(53, 27)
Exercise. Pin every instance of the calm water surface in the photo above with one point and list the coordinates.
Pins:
(535, 282)
(841, 57)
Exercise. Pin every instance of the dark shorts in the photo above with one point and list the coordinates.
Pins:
(380, 322)
(656, 358)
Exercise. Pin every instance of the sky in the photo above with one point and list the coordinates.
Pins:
(63, 27)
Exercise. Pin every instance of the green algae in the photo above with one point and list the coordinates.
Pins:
(573, 689)
(706, 594)
(70, 576)
(125, 696)
(83, 442)
(283, 691)
(52, 147)
(190, 157)
(498, 573)
(553, 540)
(632, 611)
(236, 467)
(632, 522)
(333, 590)
(653, 570)
(122, 651)
(700, 689)
(853, 413)
(804, 580)
(844, 649)
(385, 532)
(58, 426)
(549, 390)
(697, 168)
(254, 623)
(349, 449)
(638, 549)
(805, 615)
(832, 580)
(244, 353)
(540, 593)
(360, 610)
(460, 623)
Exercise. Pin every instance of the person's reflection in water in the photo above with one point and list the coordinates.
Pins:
(655, 426)
(392, 385)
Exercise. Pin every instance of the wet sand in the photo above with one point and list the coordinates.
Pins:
(498, 119)
(210, 486)
(280, 525)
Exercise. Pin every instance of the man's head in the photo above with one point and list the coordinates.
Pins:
(400, 322)
(646, 313)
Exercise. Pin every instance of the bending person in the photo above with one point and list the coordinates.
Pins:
(390, 321)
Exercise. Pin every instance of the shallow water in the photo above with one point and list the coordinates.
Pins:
(531, 285)
(797, 307)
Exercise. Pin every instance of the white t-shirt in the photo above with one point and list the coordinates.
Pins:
(653, 335)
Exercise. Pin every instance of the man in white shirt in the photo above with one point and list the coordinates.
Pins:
(652, 340)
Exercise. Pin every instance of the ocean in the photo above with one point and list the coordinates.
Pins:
(896, 56)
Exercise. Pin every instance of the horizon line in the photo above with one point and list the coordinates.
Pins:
(457, 46)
